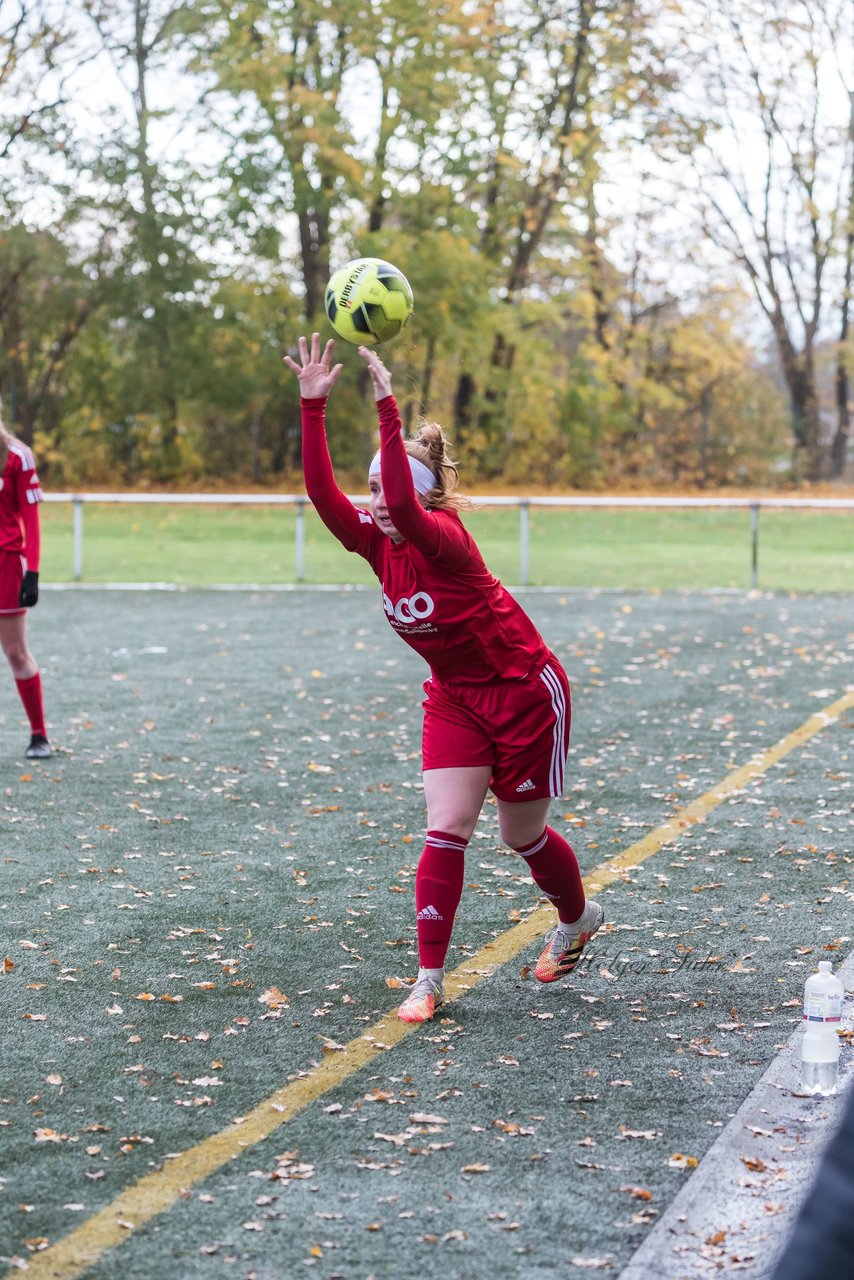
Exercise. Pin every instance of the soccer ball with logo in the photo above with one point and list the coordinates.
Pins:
(368, 301)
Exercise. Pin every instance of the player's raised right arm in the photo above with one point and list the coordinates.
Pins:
(316, 377)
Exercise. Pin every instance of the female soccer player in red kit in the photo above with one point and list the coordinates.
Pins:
(20, 542)
(496, 711)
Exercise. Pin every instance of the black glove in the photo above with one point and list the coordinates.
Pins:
(29, 594)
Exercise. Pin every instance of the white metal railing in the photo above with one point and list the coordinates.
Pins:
(300, 502)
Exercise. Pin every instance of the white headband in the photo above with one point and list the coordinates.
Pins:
(422, 476)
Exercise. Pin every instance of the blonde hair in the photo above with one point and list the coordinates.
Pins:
(430, 446)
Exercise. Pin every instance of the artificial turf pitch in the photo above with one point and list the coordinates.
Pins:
(207, 897)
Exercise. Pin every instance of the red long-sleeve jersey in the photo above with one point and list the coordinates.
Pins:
(438, 594)
(20, 494)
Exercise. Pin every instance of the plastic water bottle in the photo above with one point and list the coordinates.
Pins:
(824, 997)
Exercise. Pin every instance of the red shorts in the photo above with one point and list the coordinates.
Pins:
(520, 728)
(12, 567)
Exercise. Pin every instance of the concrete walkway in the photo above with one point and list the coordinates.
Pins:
(735, 1212)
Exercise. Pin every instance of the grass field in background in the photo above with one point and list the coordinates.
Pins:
(691, 549)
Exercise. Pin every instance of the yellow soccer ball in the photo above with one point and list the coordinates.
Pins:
(368, 301)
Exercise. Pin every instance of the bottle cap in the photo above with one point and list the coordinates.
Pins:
(824, 966)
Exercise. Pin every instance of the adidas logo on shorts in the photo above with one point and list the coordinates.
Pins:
(429, 913)
(527, 785)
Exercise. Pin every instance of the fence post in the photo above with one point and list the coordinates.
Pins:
(77, 539)
(523, 537)
(754, 545)
(299, 540)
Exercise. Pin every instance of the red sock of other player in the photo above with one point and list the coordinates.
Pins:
(438, 889)
(554, 868)
(31, 696)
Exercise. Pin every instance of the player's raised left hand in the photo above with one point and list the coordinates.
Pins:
(316, 373)
(380, 375)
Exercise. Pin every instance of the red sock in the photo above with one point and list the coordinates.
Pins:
(554, 868)
(31, 696)
(438, 889)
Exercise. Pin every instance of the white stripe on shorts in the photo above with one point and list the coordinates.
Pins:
(558, 698)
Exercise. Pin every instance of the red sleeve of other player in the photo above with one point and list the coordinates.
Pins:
(32, 536)
(29, 496)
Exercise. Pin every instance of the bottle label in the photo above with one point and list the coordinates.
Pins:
(824, 1008)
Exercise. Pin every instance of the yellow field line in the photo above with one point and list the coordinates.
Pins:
(157, 1191)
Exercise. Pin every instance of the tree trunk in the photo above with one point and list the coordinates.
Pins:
(151, 245)
(377, 208)
(426, 381)
(314, 250)
(464, 406)
(799, 373)
(839, 447)
(705, 420)
(532, 222)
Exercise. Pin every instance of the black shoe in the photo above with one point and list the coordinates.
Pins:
(39, 748)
